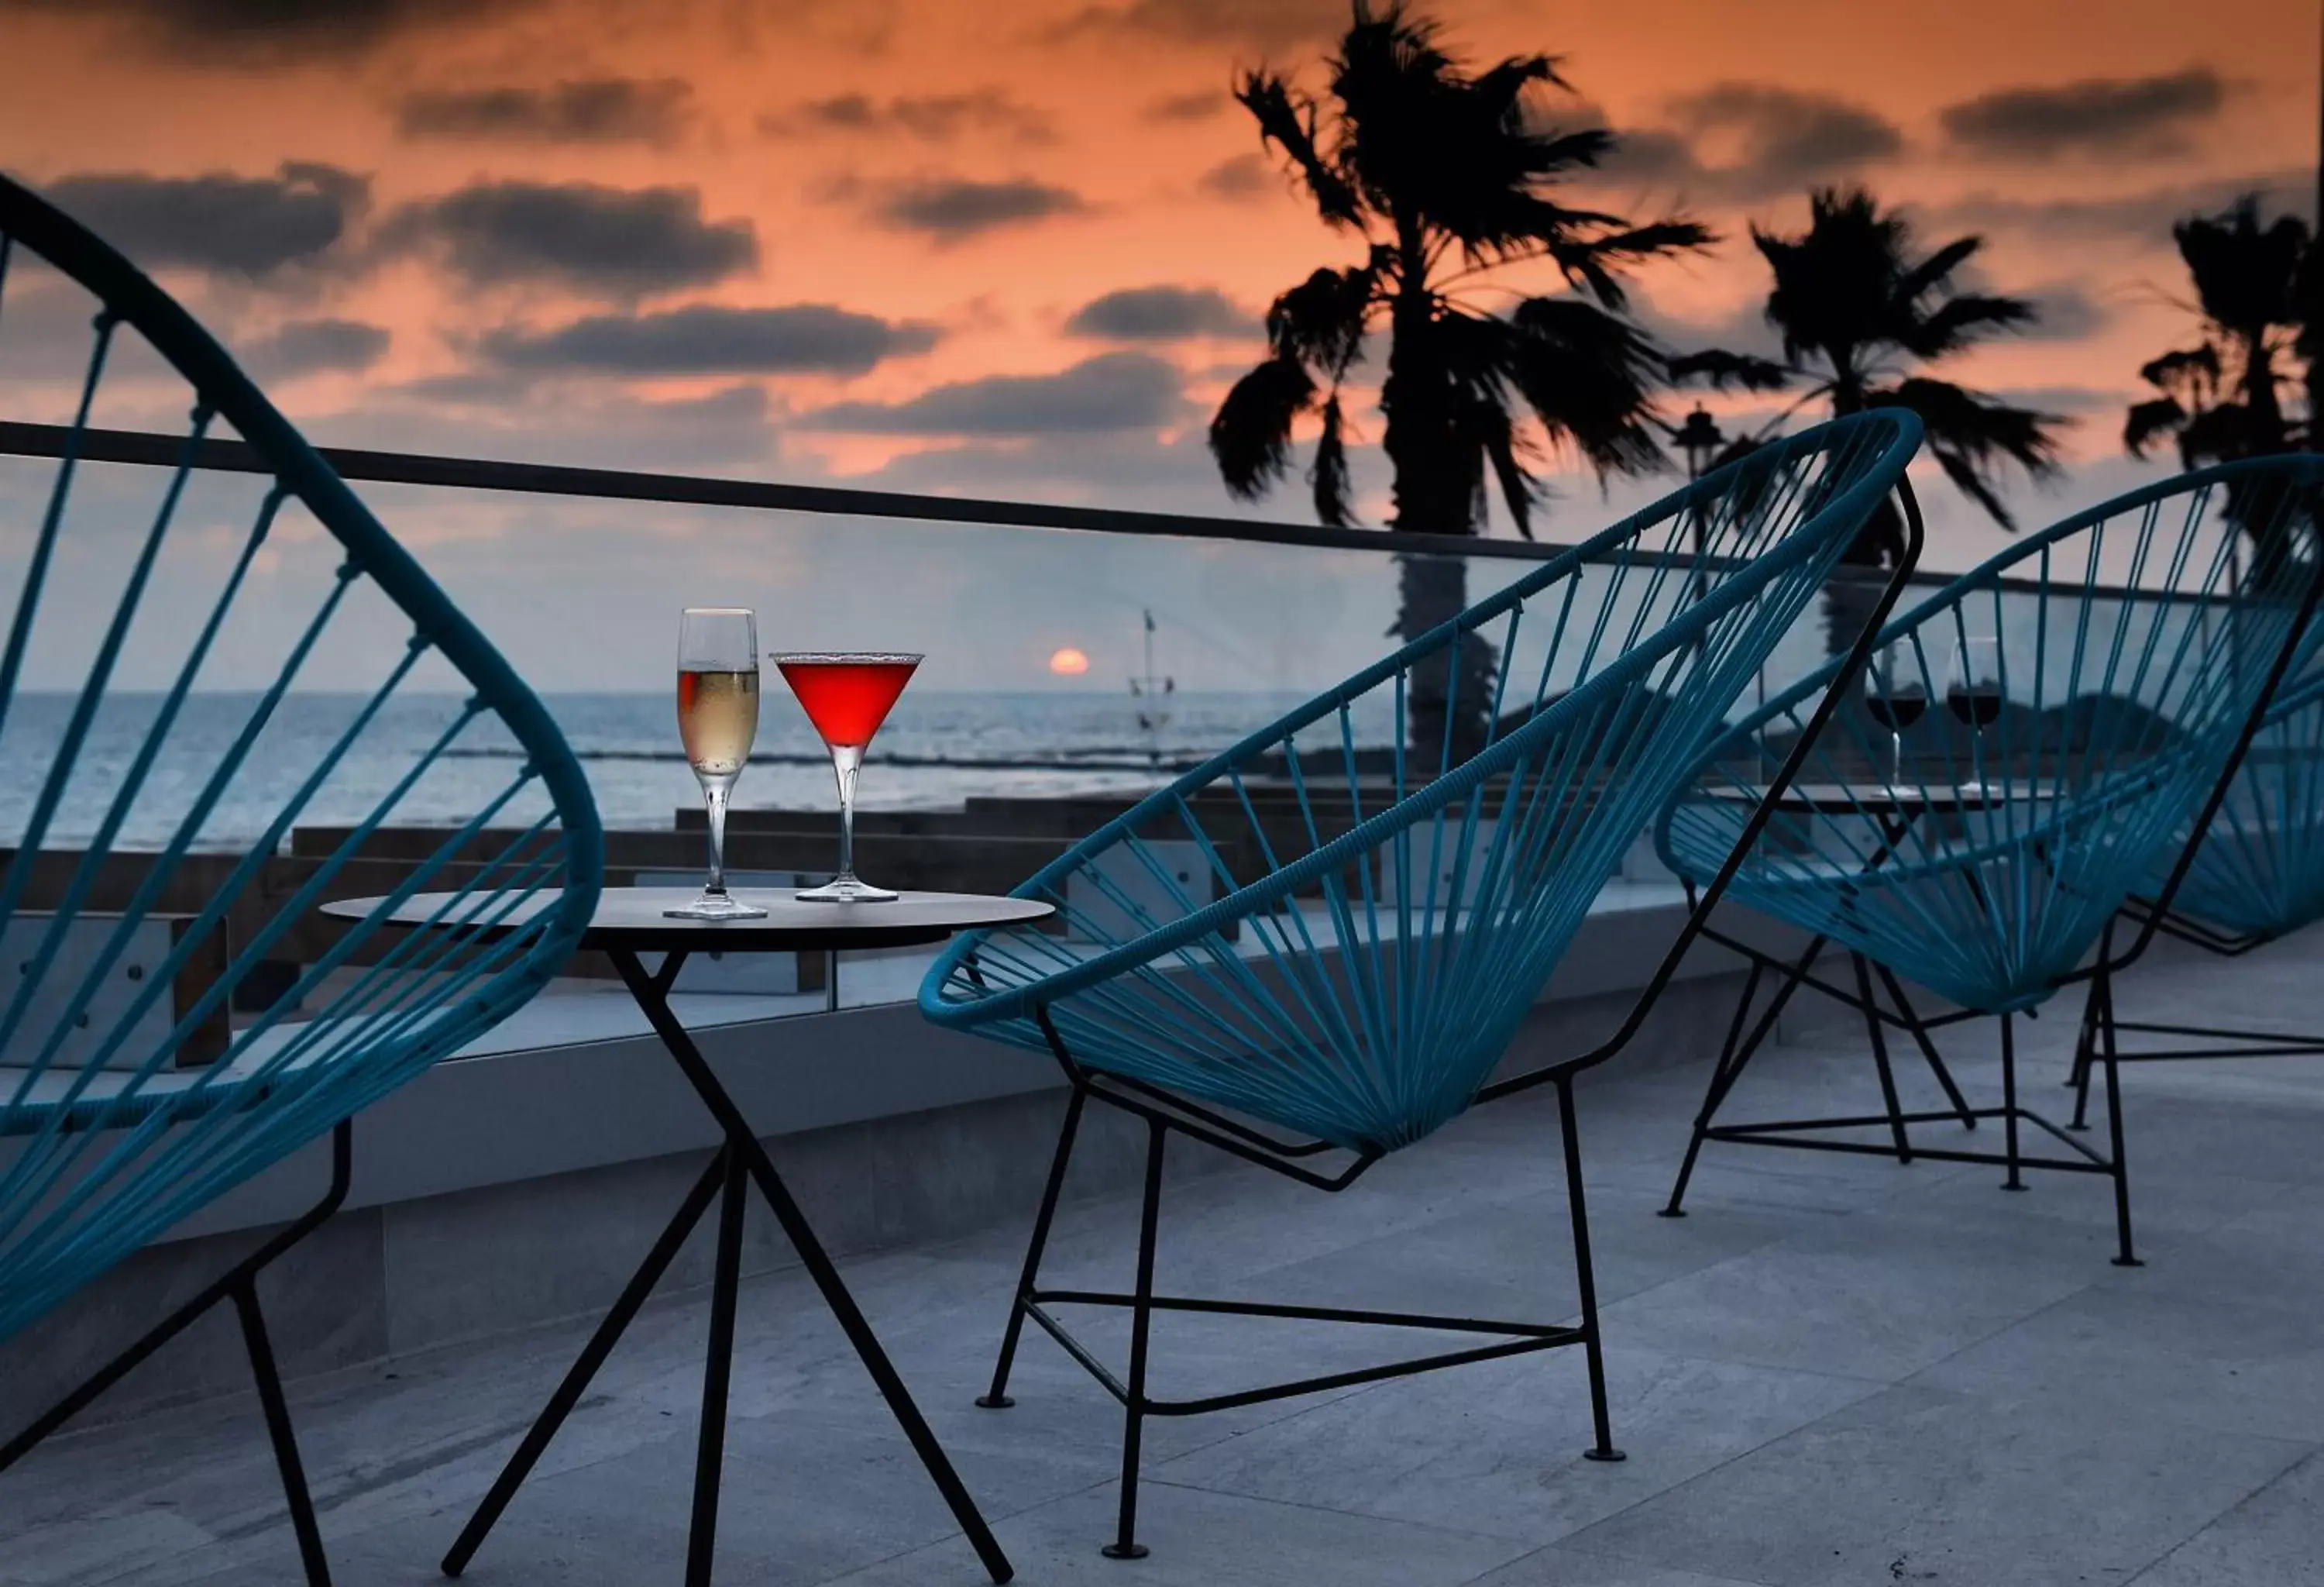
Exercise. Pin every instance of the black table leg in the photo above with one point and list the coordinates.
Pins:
(717, 1370)
(652, 994)
(584, 1367)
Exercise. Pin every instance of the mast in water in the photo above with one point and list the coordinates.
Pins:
(1151, 693)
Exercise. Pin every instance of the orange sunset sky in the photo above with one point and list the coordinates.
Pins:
(883, 239)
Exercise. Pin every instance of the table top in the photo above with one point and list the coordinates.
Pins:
(632, 917)
(1871, 797)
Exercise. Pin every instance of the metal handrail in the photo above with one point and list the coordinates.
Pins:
(152, 448)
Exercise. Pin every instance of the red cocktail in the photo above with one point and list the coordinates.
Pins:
(847, 695)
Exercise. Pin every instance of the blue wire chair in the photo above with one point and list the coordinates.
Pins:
(126, 1103)
(1984, 851)
(1387, 918)
(2256, 876)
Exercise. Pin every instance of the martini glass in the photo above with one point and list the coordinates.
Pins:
(718, 719)
(847, 695)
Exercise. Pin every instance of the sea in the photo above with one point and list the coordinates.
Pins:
(939, 749)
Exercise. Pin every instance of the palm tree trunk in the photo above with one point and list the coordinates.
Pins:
(2259, 392)
(1446, 698)
(1435, 492)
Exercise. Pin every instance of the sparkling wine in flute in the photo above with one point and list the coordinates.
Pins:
(718, 720)
(847, 695)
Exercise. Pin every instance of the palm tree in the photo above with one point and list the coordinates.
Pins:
(1861, 312)
(2222, 398)
(1444, 176)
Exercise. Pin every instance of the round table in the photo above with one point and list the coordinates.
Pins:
(1875, 798)
(630, 922)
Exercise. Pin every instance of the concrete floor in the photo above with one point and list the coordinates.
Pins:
(1837, 1370)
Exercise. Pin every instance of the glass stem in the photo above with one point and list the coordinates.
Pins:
(714, 804)
(845, 760)
(1895, 758)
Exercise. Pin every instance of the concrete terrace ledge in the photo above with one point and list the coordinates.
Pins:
(515, 1185)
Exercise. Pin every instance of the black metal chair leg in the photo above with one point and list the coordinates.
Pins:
(1880, 1061)
(1732, 1061)
(2085, 1043)
(2094, 1021)
(176, 1323)
(2009, 1100)
(2124, 1255)
(717, 1370)
(997, 1399)
(1585, 1278)
(1125, 1544)
(279, 1433)
(585, 1367)
(1929, 1053)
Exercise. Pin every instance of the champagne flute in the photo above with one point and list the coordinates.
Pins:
(847, 695)
(718, 719)
(1896, 696)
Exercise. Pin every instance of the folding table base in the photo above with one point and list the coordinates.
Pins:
(741, 1164)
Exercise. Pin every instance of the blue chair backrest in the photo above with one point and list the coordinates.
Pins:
(195, 662)
(2136, 643)
(2259, 873)
(1386, 913)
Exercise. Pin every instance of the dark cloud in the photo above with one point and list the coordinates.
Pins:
(272, 32)
(227, 225)
(1111, 391)
(1786, 138)
(613, 242)
(1246, 176)
(2068, 312)
(2074, 402)
(1269, 25)
(315, 347)
(2097, 115)
(797, 338)
(1161, 314)
(1740, 142)
(1120, 470)
(587, 110)
(2136, 219)
(934, 119)
(1655, 156)
(1197, 106)
(584, 424)
(951, 211)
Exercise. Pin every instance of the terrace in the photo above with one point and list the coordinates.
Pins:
(1836, 1371)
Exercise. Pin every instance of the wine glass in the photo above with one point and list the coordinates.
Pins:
(1973, 688)
(718, 719)
(847, 695)
(1896, 695)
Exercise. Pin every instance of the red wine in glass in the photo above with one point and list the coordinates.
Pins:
(1896, 713)
(1895, 697)
(1974, 707)
(1973, 692)
(847, 695)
